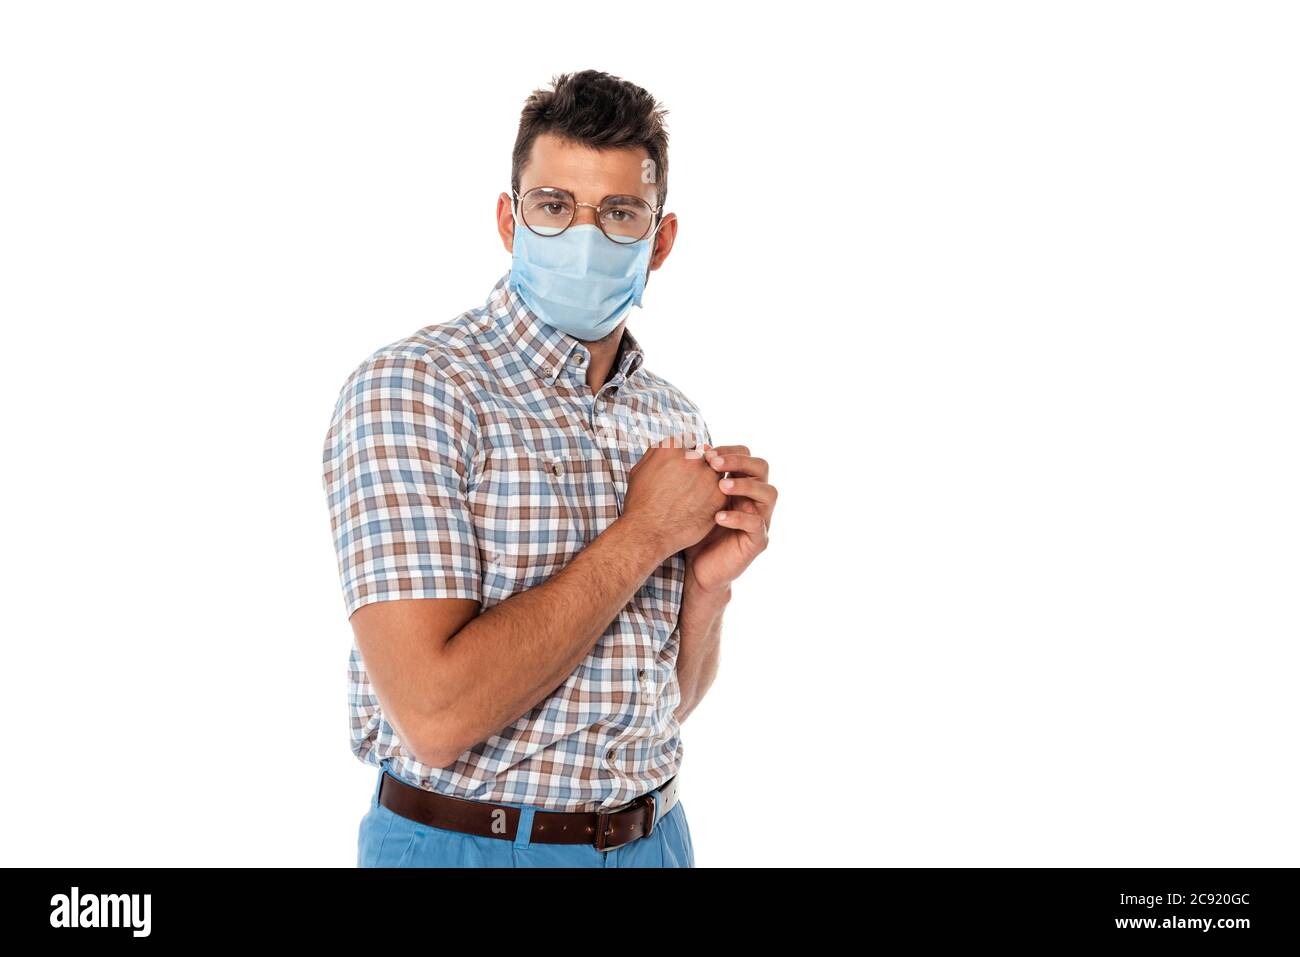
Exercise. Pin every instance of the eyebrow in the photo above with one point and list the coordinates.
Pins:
(627, 199)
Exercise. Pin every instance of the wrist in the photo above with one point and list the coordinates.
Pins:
(646, 539)
(714, 594)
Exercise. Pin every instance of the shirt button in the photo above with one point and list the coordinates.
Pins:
(610, 754)
(557, 468)
(578, 358)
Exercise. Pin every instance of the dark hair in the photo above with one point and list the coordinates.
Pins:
(596, 110)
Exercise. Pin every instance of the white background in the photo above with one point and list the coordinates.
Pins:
(1005, 292)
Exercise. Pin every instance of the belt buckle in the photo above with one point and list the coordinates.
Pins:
(646, 800)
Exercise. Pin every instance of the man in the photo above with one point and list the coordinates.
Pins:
(535, 537)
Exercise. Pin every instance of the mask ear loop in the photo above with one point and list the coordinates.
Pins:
(654, 235)
(514, 214)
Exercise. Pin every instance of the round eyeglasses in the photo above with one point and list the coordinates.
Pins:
(549, 211)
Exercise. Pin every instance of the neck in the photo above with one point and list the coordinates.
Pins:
(604, 356)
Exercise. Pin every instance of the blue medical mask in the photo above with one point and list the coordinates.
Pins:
(580, 281)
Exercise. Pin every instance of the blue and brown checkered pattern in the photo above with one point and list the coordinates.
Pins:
(471, 460)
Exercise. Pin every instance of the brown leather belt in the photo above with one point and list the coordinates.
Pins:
(605, 830)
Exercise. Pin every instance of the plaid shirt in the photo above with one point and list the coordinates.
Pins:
(471, 460)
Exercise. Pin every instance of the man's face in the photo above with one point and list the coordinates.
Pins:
(590, 175)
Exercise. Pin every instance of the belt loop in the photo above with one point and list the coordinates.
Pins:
(379, 781)
(524, 833)
(657, 799)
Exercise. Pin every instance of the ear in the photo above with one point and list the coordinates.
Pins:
(664, 239)
(506, 221)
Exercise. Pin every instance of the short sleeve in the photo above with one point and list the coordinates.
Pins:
(396, 468)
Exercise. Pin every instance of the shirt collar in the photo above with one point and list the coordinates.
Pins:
(544, 347)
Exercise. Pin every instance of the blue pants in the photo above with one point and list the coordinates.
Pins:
(387, 839)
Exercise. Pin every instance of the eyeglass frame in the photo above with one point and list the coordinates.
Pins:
(656, 213)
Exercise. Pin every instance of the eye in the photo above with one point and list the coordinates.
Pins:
(623, 217)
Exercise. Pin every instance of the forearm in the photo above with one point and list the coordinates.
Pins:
(510, 657)
(700, 630)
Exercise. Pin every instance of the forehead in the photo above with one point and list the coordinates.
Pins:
(590, 174)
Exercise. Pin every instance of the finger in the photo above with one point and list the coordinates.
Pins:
(698, 451)
(761, 493)
(750, 523)
(731, 449)
(742, 464)
(745, 505)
